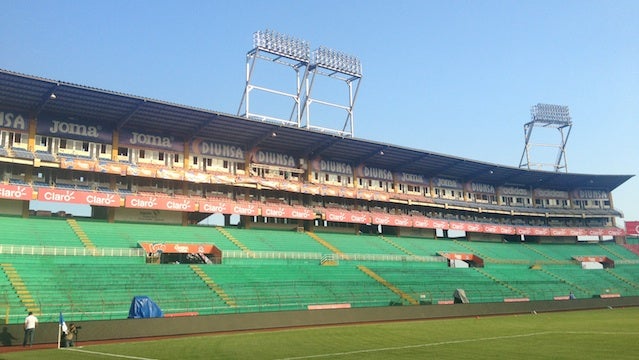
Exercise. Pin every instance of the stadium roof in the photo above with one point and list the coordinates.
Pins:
(33, 95)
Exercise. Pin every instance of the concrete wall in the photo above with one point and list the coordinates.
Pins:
(135, 328)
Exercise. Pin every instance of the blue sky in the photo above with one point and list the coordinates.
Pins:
(454, 77)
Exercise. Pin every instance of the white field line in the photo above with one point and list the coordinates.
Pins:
(454, 342)
(108, 354)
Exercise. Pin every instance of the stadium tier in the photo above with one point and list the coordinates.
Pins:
(278, 270)
(301, 218)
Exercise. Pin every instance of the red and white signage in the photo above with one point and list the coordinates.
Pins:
(287, 212)
(160, 203)
(422, 222)
(632, 227)
(392, 220)
(79, 197)
(15, 192)
(441, 224)
(499, 229)
(177, 248)
(338, 215)
(225, 206)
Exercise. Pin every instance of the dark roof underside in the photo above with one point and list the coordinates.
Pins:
(33, 95)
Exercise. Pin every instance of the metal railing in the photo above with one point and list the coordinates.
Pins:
(69, 251)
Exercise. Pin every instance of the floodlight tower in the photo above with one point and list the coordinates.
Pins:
(271, 46)
(548, 116)
(338, 66)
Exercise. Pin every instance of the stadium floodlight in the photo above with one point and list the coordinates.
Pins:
(280, 49)
(281, 44)
(547, 116)
(550, 114)
(338, 61)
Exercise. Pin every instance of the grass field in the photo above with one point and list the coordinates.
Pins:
(597, 334)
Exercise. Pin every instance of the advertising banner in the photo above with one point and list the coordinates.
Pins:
(110, 167)
(292, 186)
(392, 220)
(312, 189)
(197, 177)
(348, 193)
(217, 150)
(422, 222)
(499, 229)
(159, 203)
(274, 158)
(328, 190)
(339, 215)
(172, 248)
(15, 192)
(138, 139)
(134, 170)
(222, 178)
(287, 212)
(79, 197)
(632, 227)
(67, 127)
(332, 167)
(77, 164)
(170, 174)
(374, 173)
(14, 120)
(416, 179)
(227, 206)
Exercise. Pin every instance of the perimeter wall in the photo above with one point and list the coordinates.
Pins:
(137, 328)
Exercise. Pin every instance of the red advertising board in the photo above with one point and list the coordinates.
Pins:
(441, 224)
(499, 229)
(422, 222)
(225, 206)
(287, 212)
(160, 203)
(392, 220)
(632, 227)
(15, 192)
(79, 197)
(339, 215)
(177, 248)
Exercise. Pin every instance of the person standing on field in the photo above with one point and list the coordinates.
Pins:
(30, 323)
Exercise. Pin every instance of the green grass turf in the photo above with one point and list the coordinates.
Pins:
(597, 334)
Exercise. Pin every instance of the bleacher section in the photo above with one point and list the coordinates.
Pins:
(121, 235)
(274, 240)
(260, 270)
(37, 232)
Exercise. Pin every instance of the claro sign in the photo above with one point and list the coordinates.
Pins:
(15, 192)
(160, 203)
(79, 197)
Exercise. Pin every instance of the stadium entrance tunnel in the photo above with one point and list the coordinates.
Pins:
(172, 253)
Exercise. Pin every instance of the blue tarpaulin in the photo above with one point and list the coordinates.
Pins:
(143, 307)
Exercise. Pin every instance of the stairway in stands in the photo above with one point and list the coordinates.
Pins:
(390, 286)
(233, 239)
(213, 286)
(77, 229)
(20, 288)
(325, 243)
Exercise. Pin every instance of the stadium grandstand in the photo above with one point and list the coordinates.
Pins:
(323, 220)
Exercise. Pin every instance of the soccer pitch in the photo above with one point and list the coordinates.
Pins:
(605, 333)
